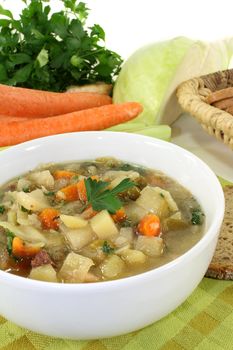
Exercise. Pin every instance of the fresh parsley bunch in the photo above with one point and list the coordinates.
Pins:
(50, 51)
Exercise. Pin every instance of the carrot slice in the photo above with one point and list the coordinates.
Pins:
(119, 216)
(68, 193)
(63, 174)
(20, 250)
(82, 192)
(91, 119)
(149, 225)
(21, 102)
(49, 218)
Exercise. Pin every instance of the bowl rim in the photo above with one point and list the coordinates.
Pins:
(23, 282)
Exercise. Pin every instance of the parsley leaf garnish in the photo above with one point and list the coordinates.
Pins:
(2, 209)
(101, 198)
(51, 51)
(197, 217)
(106, 248)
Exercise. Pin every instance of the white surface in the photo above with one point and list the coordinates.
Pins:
(187, 133)
(130, 24)
(83, 311)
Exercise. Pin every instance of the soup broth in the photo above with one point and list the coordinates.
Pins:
(92, 221)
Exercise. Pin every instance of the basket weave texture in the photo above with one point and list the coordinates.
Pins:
(191, 96)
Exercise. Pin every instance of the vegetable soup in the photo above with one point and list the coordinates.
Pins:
(94, 221)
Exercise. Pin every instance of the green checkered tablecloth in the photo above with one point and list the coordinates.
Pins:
(204, 322)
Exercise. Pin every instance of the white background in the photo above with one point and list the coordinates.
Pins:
(130, 24)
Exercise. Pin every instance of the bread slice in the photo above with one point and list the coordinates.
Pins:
(219, 95)
(224, 104)
(221, 266)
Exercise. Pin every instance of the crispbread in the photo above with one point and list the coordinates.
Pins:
(219, 95)
(223, 104)
(230, 110)
(221, 266)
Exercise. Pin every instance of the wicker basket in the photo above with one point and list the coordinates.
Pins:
(191, 96)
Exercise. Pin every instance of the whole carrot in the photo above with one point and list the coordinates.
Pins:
(98, 118)
(4, 119)
(21, 102)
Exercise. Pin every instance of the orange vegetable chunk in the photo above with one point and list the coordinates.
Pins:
(63, 174)
(49, 218)
(149, 225)
(20, 249)
(68, 193)
(119, 216)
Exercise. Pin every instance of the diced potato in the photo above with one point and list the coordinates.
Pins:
(94, 251)
(151, 246)
(42, 178)
(73, 221)
(54, 239)
(44, 273)
(118, 251)
(152, 201)
(12, 217)
(56, 247)
(133, 257)
(26, 233)
(33, 201)
(124, 240)
(174, 222)
(112, 267)
(114, 174)
(75, 268)
(80, 237)
(103, 225)
(127, 232)
(135, 212)
(170, 201)
(121, 241)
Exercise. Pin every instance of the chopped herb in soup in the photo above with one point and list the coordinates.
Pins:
(94, 221)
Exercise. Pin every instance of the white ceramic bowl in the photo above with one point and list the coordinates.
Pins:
(105, 309)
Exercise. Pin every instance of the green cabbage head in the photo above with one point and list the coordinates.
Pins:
(151, 75)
